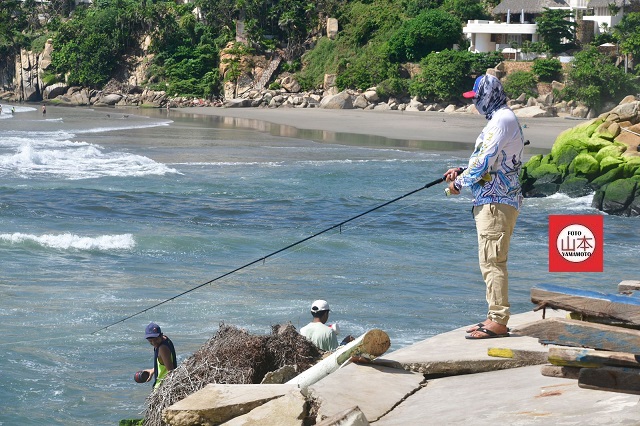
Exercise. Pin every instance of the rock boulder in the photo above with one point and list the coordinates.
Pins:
(600, 155)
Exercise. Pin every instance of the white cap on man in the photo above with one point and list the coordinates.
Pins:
(319, 305)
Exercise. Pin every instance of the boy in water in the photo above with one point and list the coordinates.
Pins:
(164, 354)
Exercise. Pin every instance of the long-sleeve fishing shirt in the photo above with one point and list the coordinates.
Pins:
(494, 167)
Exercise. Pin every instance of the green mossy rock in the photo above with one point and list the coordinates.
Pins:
(607, 130)
(610, 163)
(587, 158)
(614, 150)
(542, 190)
(564, 169)
(590, 127)
(533, 162)
(131, 422)
(618, 195)
(610, 176)
(595, 144)
(585, 165)
(546, 173)
(581, 131)
(632, 166)
(634, 207)
(565, 150)
(575, 186)
(596, 203)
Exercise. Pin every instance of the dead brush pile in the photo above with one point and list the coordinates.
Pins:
(232, 356)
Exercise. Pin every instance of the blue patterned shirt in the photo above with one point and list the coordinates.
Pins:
(494, 167)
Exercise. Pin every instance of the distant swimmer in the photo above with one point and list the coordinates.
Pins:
(44, 109)
(13, 110)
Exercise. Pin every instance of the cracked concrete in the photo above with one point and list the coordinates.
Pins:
(407, 387)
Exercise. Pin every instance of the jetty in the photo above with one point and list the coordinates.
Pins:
(573, 360)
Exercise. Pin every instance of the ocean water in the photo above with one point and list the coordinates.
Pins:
(105, 213)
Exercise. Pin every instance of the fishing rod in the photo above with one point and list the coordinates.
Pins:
(262, 259)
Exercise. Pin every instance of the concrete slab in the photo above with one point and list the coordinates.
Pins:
(374, 389)
(218, 403)
(451, 354)
(288, 410)
(350, 417)
(517, 397)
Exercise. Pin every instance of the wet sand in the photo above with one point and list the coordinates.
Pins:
(400, 125)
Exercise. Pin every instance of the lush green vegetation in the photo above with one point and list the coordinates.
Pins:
(520, 82)
(12, 28)
(91, 46)
(376, 41)
(554, 26)
(430, 31)
(628, 33)
(594, 79)
(376, 37)
(547, 70)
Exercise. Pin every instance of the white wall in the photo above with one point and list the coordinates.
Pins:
(484, 43)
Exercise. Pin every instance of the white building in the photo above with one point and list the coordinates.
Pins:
(599, 11)
(515, 21)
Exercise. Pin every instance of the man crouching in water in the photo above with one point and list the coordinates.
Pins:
(164, 354)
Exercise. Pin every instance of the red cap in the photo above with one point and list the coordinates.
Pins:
(476, 86)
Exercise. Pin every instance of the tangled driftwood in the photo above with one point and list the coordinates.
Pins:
(232, 356)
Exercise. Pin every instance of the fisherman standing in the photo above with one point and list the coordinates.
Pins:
(492, 174)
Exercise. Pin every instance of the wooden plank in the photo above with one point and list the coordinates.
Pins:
(628, 285)
(600, 320)
(613, 379)
(567, 332)
(560, 371)
(591, 303)
(576, 357)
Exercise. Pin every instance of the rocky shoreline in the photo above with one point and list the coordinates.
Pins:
(601, 155)
(124, 95)
(26, 82)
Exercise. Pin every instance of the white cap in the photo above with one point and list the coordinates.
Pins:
(320, 305)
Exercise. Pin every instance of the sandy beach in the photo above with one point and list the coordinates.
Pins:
(401, 125)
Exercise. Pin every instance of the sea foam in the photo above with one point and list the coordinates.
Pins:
(74, 160)
(70, 241)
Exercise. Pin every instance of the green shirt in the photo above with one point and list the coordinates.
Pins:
(321, 336)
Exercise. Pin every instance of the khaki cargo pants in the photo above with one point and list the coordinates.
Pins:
(494, 224)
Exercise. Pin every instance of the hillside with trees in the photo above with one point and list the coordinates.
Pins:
(402, 47)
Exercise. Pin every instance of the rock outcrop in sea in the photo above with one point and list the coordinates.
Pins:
(599, 155)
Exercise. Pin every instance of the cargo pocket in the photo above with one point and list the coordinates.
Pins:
(492, 250)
